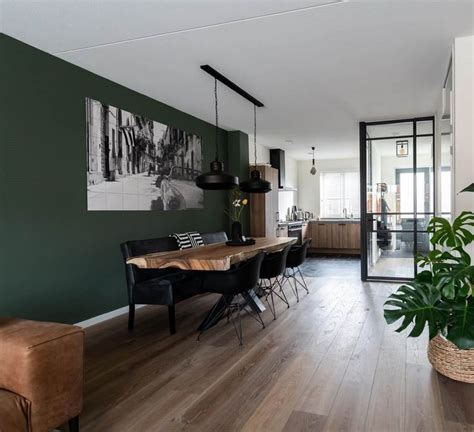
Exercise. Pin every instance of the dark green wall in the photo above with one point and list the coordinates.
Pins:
(238, 157)
(57, 260)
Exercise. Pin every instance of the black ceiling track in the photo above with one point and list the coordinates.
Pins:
(226, 81)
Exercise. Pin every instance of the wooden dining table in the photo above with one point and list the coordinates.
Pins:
(214, 257)
(211, 257)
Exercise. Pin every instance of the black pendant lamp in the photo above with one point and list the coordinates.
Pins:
(313, 168)
(216, 178)
(255, 184)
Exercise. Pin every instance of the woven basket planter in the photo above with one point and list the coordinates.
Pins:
(451, 361)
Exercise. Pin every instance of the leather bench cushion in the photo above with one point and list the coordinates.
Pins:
(168, 290)
(14, 412)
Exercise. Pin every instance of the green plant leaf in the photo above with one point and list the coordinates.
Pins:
(418, 303)
(441, 296)
(453, 275)
(470, 188)
(457, 234)
(461, 328)
(429, 259)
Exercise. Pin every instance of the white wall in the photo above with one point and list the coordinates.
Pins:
(287, 199)
(463, 122)
(308, 185)
(263, 154)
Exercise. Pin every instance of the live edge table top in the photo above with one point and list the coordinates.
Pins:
(217, 256)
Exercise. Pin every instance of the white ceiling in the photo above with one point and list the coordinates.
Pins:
(319, 70)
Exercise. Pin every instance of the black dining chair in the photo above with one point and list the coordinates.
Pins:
(296, 257)
(272, 269)
(158, 286)
(214, 237)
(234, 284)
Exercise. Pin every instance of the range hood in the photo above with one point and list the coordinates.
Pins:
(277, 160)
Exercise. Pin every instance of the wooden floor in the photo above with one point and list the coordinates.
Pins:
(329, 363)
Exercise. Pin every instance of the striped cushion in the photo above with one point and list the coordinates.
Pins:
(188, 240)
(196, 239)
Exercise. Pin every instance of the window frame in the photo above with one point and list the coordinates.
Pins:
(343, 198)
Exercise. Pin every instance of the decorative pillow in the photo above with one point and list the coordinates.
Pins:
(188, 240)
(196, 239)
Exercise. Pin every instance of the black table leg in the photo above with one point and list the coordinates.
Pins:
(252, 300)
(214, 315)
(217, 312)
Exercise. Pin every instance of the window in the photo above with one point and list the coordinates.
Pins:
(424, 190)
(406, 192)
(339, 191)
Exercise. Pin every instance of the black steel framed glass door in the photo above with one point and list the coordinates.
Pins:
(397, 196)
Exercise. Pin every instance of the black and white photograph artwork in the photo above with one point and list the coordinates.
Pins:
(134, 163)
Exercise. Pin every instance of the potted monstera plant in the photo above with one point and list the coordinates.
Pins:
(441, 298)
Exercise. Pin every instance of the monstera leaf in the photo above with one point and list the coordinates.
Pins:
(453, 275)
(419, 303)
(429, 259)
(470, 188)
(457, 234)
(461, 329)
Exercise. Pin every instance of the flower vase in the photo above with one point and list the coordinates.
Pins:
(236, 232)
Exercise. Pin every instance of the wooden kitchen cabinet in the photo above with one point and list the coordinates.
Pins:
(321, 235)
(338, 236)
(335, 237)
(264, 207)
(306, 231)
(354, 236)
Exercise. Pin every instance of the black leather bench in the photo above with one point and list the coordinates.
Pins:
(161, 286)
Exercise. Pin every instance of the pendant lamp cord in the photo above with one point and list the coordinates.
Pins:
(255, 134)
(217, 118)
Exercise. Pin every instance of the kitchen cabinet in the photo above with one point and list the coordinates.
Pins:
(335, 237)
(321, 235)
(264, 207)
(353, 235)
(306, 231)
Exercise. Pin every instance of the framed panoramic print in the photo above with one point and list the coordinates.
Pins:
(134, 163)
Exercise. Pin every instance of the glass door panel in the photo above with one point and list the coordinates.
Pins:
(398, 196)
(424, 164)
(392, 255)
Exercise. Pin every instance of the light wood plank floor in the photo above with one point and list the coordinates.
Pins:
(329, 363)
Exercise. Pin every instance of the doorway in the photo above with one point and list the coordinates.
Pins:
(397, 196)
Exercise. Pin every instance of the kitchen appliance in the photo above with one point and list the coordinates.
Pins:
(294, 215)
(295, 229)
(277, 160)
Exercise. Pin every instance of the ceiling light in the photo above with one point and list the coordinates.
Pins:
(313, 168)
(402, 148)
(216, 178)
(255, 184)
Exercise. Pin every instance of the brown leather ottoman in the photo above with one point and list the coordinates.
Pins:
(14, 412)
(41, 374)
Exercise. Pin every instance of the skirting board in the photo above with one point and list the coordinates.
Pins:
(104, 317)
